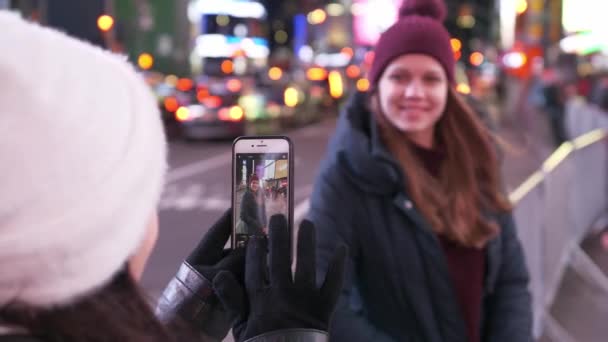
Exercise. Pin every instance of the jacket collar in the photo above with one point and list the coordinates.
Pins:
(359, 150)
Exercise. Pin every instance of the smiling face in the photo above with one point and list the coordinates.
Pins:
(413, 94)
(254, 185)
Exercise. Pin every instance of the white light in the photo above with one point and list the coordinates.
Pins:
(513, 60)
(240, 30)
(240, 65)
(216, 45)
(306, 54)
(233, 8)
(508, 15)
(196, 111)
(335, 10)
(335, 60)
(212, 45)
(356, 9)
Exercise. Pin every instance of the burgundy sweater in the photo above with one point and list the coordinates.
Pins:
(466, 265)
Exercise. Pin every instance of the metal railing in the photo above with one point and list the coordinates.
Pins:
(555, 208)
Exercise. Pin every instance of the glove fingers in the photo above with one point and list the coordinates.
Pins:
(280, 258)
(231, 294)
(209, 249)
(334, 278)
(233, 261)
(306, 261)
(255, 264)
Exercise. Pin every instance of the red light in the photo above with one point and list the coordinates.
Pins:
(369, 57)
(234, 85)
(212, 101)
(347, 51)
(224, 114)
(457, 55)
(184, 84)
(171, 104)
(353, 71)
(202, 94)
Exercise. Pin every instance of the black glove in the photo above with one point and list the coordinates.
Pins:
(273, 301)
(189, 297)
(210, 257)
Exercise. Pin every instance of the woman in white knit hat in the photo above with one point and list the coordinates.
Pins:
(83, 157)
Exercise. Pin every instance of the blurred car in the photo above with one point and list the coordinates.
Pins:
(213, 110)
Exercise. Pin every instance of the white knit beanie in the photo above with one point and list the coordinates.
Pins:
(82, 161)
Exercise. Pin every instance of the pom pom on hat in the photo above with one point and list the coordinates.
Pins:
(435, 9)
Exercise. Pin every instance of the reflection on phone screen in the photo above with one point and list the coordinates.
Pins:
(261, 190)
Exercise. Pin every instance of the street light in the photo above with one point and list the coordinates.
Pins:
(145, 61)
(105, 22)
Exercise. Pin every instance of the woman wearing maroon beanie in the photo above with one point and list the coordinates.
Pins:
(411, 184)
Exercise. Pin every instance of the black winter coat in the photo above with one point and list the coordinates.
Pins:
(397, 285)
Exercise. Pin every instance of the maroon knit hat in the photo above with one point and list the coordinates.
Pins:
(419, 29)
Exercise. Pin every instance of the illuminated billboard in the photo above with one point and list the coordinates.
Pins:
(584, 15)
(371, 18)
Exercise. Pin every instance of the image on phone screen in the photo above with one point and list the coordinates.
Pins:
(261, 190)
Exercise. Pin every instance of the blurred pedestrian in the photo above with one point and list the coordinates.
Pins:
(83, 161)
(411, 184)
(253, 208)
(555, 109)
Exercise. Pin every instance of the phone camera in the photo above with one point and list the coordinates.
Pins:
(251, 145)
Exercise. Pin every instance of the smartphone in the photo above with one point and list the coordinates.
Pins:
(262, 185)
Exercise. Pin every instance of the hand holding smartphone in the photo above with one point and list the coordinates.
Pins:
(262, 169)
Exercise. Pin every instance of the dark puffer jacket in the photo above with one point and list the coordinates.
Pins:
(397, 285)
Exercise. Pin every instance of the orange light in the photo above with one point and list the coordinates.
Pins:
(171, 104)
(227, 67)
(316, 74)
(476, 58)
(182, 114)
(275, 73)
(145, 61)
(184, 84)
(353, 71)
(463, 88)
(336, 88)
(105, 22)
(239, 53)
(347, 51)
(363, 85)
(234, 85)
(457, 55)
(236, 113)
(456, 44)
(202, 94)
(369, 57)
(212, 101)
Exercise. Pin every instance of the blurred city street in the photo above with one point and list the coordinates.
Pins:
(534, 71)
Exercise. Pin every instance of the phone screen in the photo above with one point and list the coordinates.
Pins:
(261, 189)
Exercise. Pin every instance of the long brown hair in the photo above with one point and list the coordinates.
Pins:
(117, 312)
(469, 183)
